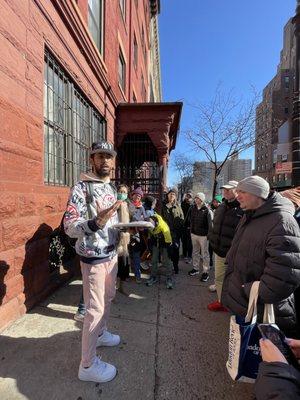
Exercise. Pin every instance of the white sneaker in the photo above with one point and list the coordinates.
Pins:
(108, 339)
(79, 317)
(99, 371)
(212, 288)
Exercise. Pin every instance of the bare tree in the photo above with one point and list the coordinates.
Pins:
(225, 127)
(184, 167)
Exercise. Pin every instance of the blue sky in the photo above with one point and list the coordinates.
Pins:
(203, 42)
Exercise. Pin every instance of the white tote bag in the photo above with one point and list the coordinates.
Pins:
(244, 352)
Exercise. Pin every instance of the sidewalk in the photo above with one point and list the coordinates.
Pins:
(172, 348)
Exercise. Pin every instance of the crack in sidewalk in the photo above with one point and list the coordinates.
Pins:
(133, 320)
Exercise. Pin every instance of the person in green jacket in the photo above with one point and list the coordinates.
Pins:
(161, 240)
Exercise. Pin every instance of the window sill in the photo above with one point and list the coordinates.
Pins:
(122, 92)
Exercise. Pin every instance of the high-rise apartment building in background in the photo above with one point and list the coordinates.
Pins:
(273, 150)
(233, 169)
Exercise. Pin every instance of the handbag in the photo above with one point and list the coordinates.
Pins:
(244, 354)
(61, 246)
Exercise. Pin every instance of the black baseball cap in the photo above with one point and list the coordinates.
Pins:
(103, 147)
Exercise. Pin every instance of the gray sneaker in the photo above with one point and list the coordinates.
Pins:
(169, 283)
(79, 317)
(152, 281)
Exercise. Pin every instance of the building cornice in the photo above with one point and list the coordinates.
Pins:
(157, 56)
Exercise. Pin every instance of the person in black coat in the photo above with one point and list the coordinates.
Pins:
(276, 378)
(186, 206)
(172, 214)
(226, 219)
(201, 218)
(265, 248)
(294, 195)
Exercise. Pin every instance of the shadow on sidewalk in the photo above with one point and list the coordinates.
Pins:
(63, 303)
(42, 279)
(43, 368)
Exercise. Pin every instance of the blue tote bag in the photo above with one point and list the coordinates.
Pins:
(244, 351)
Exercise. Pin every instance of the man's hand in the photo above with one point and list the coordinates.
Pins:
(104, 215)
(295, 346)
(271, 353)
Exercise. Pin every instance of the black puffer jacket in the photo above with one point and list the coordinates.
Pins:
(226, 219)
(277, 380)
(200, 220)
(297, 291)
(265, 248)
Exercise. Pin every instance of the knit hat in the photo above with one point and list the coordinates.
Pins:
(218, 198)
(200, 196)
(230, 185)
(138, 190)
(173, 190)
(255, 185)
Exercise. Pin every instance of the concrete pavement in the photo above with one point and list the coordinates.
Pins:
(172, 348)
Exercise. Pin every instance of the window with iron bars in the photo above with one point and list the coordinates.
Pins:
(71, 125)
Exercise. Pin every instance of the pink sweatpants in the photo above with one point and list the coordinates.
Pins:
(99, 289)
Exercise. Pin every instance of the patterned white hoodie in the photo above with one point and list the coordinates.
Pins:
(93, 244)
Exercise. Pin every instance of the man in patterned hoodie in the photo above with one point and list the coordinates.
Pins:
(90, 216)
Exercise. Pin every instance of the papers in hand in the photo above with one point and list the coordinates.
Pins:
(135, 224)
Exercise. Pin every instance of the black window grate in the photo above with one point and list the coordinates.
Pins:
(138, 164)
(71, 124)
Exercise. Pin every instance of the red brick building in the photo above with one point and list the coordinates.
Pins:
(71, 72)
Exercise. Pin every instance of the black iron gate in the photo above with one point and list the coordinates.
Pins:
(137, 164)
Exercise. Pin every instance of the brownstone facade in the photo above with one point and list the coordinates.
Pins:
(57, 82)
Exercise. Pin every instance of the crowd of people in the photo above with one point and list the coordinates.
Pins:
(248, 234)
